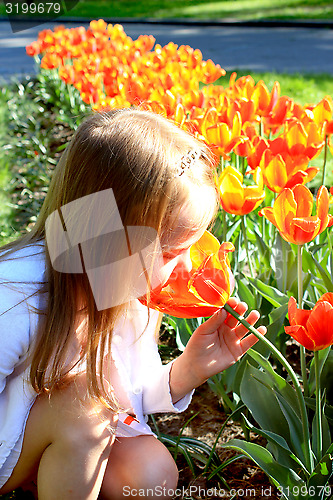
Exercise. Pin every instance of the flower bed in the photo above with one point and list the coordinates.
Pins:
(264, 145)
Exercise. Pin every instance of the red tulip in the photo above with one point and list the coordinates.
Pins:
(312, 328)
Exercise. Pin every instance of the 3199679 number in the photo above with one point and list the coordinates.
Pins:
(305, 491)
(33, 8)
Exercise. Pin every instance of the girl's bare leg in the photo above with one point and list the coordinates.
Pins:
(139, 467)
(67, 442)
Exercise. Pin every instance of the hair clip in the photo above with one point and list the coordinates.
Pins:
(188, 160)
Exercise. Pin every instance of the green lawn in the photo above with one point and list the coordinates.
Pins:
(203, 9)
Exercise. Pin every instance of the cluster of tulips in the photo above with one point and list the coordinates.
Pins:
(277, 137)
(263, 143)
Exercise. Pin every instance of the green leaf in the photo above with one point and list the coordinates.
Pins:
(311, 403)
(276, 317)
(284, 264)
(323, 274)
(326, 434)
(261, 401)
(279, 314)
(281, 476)
(274, 381)
(321, 475)
(326, 369)
(278, 446)
(182, 329)
(297, 440)
(273, 295)
(245, 294)
(263, 248)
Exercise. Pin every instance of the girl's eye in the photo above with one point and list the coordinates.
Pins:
(169, 256)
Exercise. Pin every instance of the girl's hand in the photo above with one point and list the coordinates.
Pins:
(214, 346)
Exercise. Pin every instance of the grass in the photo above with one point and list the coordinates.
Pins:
(5, 177)
(303, 88)
(203, 9)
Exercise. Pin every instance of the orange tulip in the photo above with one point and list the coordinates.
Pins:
(33, 49)
(304, 138)
(223, 137)
(283, 170)
(312, 328)
(204, 289)
(291, 214)
(279, 114)
(236, 199)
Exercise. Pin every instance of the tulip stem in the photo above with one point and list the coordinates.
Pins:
(319, 422)
(293, 376)
(246, 242)
(331, 253)
(300, 302)
(325, 158)
(71, 96)
(224, 226)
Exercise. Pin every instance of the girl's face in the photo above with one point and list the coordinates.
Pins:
(191, 223)
(177, 259)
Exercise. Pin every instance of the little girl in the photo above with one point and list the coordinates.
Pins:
(79, 365)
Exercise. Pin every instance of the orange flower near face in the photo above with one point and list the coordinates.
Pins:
(236, 199)
(204, 289)
(291, 214)
(312, 328)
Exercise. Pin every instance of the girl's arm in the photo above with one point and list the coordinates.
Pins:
(214, 346)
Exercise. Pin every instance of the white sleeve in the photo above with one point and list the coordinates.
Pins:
(155, 381)
(157, 396)
(14, 330)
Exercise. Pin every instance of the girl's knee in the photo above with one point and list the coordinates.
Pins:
(137, 466)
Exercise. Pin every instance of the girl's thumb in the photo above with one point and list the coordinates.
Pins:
(213, 323)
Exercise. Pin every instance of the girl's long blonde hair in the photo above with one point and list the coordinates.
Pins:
(137, 154)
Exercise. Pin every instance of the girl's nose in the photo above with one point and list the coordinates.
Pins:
(186, 261)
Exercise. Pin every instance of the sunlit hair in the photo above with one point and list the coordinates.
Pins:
(137, 154)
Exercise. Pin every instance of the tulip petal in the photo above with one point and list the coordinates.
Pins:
(304, 200)
(208, 244)
(285, 210)
(328, 297)
(231, 194)
(320, 325)
(268, 212)
(297, 316)
(305, 229)
(322, 207)
(276, 174)
(300, 177)
(299, 333)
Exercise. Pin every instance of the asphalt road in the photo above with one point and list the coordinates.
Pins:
(281, 49)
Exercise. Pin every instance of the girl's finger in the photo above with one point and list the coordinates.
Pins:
(240, 308)
(252, 318)
(249, 341)
(213, 323)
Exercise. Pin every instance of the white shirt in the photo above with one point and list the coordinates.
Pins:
(143, 377)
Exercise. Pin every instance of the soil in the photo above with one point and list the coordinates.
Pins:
(243, 477)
